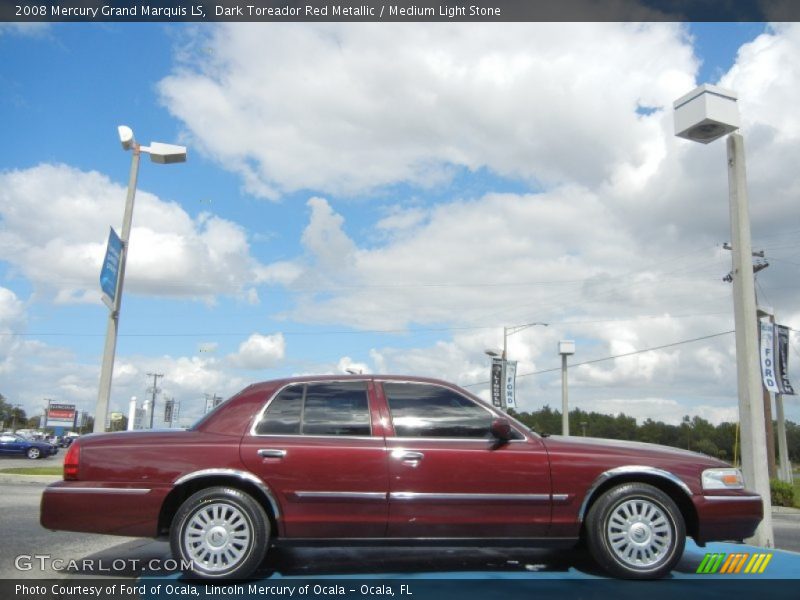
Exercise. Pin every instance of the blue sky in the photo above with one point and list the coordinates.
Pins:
(347, 199)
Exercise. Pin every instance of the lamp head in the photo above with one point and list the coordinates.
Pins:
(566, 347)
(125, 136)
(706, 113)
(166, 153)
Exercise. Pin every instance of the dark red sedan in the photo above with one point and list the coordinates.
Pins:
(401, 460)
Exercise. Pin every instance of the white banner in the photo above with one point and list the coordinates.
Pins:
(511, 375)
(768, 357)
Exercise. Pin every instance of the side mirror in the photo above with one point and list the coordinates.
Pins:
(501, 429)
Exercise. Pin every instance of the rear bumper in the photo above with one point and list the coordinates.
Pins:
(728, 517)
(99, 508)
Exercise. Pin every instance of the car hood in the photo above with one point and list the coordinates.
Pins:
(640, 450)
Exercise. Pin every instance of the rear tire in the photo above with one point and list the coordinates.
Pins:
(636, 531)
(223, 532)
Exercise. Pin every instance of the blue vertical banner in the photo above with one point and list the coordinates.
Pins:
(110, 270)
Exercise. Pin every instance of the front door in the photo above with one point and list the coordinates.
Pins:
(449, 478)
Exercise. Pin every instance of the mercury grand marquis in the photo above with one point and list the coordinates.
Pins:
(377, 460)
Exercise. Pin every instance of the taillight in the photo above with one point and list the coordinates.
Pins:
(71, 461)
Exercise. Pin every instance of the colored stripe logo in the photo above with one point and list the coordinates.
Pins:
(728, 564)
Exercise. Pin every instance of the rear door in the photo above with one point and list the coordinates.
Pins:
(321, 452)
(448, 476)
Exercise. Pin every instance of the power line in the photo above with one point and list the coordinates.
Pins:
(209, 334)
(597, 360)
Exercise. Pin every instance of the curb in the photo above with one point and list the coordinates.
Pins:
(15, 478)
(785, 510)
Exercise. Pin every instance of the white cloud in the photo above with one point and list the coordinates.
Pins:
(12, 320)
(348, 365)
(259, 352)
(56, 221)
(25, 29)
(320, 110)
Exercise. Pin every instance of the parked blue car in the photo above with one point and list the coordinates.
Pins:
(15, 444)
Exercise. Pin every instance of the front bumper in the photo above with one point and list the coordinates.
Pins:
(727, 517)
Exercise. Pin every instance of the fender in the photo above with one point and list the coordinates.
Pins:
(629, 470)
(243, 475)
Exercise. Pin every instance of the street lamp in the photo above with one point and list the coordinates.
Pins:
(162, 154)
(507, 331)
(703, 115)
(565, 348)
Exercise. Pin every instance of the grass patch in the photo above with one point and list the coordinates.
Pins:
(796, 480)
(34, 470)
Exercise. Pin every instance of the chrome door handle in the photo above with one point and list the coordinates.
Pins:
(271, 453)
(408, 456)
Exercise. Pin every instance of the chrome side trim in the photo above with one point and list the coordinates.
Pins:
(434, 497)
(303, 495)
(424, 440)
(629, 470)
(561, 498)
(243, 475)
(732, 498)
(100, 490)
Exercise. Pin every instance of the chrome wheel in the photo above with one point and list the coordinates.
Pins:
(217, 537)
(639, 533)
(220, 532)
(34, 453)
(636, 531)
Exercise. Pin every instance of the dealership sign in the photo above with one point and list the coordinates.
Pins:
(60, 415)
(110, 271)
(775, 358)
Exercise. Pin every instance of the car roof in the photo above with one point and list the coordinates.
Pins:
(273, 383)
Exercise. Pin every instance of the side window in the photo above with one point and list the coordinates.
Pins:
(422, 410)
(336, 409)
(283, 414)
(318, 409)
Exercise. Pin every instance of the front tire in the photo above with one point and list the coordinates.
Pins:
(223, 532)
(33, 453)
(636, 531)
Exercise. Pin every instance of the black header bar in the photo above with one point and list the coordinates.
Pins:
(398, 10)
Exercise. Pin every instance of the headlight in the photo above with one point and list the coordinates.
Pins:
(723, 479)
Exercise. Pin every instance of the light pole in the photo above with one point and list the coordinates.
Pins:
(508, 331)
(703, 115)
(565, 348)
(159, 153)
(14, 409)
